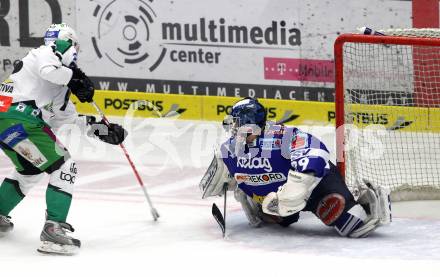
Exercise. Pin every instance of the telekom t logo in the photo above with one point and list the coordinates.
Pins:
(281, 68)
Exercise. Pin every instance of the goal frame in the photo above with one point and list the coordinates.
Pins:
(339, 78)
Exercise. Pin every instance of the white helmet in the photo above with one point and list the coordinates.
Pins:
(61, 31)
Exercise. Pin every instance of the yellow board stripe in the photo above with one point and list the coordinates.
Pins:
(211, 108)
(214, 108)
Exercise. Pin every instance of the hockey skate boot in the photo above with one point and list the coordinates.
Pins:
(5, 224)
(55, 241)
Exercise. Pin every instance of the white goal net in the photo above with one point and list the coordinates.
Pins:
(391, 111)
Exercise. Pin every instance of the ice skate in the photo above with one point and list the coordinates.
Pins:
(55, 241)
(5, 224)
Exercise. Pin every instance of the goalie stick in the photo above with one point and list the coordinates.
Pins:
(218, 216)
(153, 210)
(283, 120)
(216, 213)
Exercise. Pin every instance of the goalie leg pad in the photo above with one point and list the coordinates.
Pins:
(359, 222)
(350, 220)
(365, 229)
(377, 201)
(330, 208)
(250, 209)
(385, 214)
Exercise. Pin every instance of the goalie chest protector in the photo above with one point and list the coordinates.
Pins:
(262, 167)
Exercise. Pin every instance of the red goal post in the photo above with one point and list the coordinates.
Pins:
(374, 78)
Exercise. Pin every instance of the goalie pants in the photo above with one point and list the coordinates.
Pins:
(33, 149)
(331, 202)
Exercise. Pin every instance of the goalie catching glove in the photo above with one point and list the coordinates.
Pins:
(112, 133)
(81, 86)
(292, 196)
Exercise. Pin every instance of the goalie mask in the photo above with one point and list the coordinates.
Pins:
(247, 117)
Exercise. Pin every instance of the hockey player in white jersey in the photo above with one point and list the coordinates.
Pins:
(34, 101)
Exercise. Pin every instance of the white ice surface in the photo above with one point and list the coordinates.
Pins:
(119, 237)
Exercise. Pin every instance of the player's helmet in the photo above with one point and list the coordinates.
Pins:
(247, 111)
(61, 32)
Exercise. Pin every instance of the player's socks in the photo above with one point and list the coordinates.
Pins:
(58, 204)
(10, 196)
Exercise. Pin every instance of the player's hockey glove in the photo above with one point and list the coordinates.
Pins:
(112, 133)
(81, 86)
(292, 196)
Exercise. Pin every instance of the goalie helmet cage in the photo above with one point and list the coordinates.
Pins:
(388, 111)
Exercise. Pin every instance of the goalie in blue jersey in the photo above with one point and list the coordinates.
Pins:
(277, 172)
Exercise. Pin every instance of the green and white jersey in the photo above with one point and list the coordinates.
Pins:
(40, 80)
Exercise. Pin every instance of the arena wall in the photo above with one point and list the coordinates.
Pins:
(204, 54)
(260, 48)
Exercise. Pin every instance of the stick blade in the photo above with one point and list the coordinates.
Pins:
(219, 218)
(155, 214)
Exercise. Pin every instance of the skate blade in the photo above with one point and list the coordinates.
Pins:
(4, 233)
(51, 248)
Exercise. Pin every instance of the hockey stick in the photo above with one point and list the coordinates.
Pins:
(284, 120)
(218, 216)
(153, 211)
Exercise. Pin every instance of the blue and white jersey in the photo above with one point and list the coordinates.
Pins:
(263, 167)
